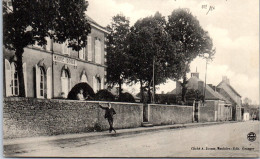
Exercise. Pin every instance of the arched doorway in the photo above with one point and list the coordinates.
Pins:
(65, 82)
(43, 83)
(14, 80)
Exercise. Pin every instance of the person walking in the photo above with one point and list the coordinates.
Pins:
(110, 112)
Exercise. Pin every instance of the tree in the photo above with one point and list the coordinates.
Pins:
(190, 39)
(247, 101)
(117, 57)
(150, 46)
(30, 22)
(193, 94)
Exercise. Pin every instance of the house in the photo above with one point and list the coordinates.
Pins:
(226, 90)
(216, 107)
(52, 71)
(246, 116)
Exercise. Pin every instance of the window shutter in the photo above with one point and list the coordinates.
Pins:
(89, 49)
(49, 83)
(25, 78)
(8, 78)
(96, 51)
(99, 51)
(37, 77)
(94, 84)
(69, 87)
(102, 83)
(48, 45)
(82, 54)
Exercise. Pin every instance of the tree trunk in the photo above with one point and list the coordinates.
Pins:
(19, 69)
(142, 91)
(120, 87)
(149, 94)
(184, 88)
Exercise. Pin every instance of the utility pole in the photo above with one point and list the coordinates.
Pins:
(206, 55)
(153, 101)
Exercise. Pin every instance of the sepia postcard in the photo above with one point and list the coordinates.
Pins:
(130, 78)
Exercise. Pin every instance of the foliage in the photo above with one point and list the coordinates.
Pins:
(30, 22)
(247, 101)
(190, 39)
(166, 99)
(87, 91)
(126, 97)
(117, 57)
(150, 45)
(104, 95)
(193, 94)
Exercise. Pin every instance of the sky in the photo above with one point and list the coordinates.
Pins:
(233, 26)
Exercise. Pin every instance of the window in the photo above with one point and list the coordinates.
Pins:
(97, 51)
(83, 77)
(65, 49)
(65, 82)
(89, 49)
(97, 83)
(43, 83)
(82, 54)
(14, 81)
(48, 46)
(10, 4)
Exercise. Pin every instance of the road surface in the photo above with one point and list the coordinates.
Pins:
(224, 140)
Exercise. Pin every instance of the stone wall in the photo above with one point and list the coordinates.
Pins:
(23, 117)
(207, 112)
(160, 114)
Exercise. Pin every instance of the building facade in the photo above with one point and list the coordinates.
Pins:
(216, 106)
(226, 90)
(52, 71)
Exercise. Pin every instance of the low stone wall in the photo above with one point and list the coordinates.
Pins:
(24, 117)
(207, 112)
(159, 114)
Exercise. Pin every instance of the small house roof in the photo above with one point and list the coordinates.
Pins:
(229, 87)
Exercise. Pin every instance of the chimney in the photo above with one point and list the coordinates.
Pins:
(212, 86)
(201, 86)
(178, 87)
(225, 79)
(196, 74)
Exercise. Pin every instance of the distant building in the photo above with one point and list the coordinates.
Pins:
(226, 90)
(246, 116)
(51, 71)
(218, 103)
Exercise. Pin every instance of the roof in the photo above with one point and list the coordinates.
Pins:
(224, 98)
(172, 92)
(96, 24)
(230, 88)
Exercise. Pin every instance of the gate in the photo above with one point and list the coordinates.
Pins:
(196, 105)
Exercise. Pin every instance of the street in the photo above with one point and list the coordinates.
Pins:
(224, 140)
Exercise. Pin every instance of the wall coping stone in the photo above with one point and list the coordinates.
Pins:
(170, 105)
(8, 99)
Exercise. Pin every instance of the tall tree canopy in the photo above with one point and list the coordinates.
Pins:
(190, 39)
(29, 22)
(117, 57)
(150, 45)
